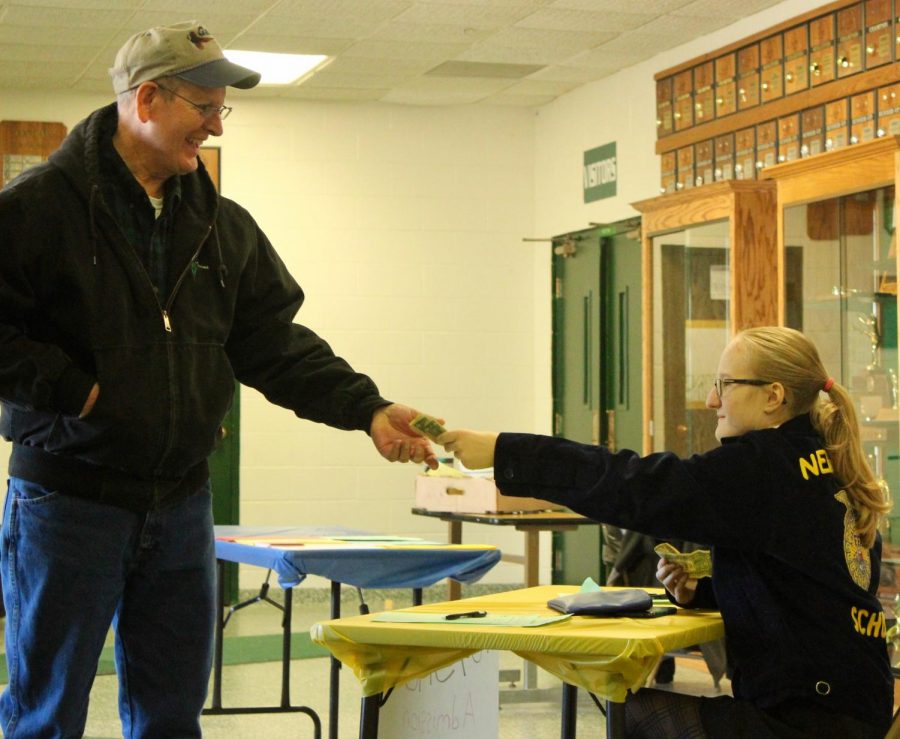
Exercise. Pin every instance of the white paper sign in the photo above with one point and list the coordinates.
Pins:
(461, 700)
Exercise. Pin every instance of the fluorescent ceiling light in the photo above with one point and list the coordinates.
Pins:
(277, 69)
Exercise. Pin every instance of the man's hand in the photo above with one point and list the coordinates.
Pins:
(396, 441)
(475, 449)
(677, 581)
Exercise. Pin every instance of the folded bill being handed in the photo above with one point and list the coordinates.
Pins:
(697, 563)
(427, 426)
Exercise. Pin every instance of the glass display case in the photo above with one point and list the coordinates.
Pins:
(838, 267)
(709, 257)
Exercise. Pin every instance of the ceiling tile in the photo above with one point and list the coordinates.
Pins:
(333, 94)
(409, 49)
(476, 16)
(72, 18)
(731, 9)
(584, 20)
(658, 7)
(430, 32)
(379, 49)
(682, 28)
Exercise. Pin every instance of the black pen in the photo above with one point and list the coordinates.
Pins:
(467, 614)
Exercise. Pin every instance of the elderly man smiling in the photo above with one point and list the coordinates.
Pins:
(133, 296)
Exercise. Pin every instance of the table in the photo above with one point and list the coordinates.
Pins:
(605, 656)
(531, 524)
(389, 562)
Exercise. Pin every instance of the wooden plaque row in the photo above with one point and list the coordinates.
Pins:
(861, 36)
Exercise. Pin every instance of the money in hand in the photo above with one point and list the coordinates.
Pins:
(427, 426)
(697, 563)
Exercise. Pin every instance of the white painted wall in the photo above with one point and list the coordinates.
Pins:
(404, 225)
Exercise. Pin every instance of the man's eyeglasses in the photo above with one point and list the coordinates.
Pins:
(720, 383)
(207, 111)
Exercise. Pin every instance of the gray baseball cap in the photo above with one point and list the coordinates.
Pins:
(185, 50)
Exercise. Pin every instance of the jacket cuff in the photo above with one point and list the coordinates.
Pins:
(366, 410)
(71, 390)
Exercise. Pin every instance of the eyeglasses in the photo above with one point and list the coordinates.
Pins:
(720, 383)
(207, 111)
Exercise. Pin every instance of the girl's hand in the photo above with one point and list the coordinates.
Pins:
(676, 580)
(475, 449)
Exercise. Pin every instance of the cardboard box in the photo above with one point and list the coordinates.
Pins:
(471, 495)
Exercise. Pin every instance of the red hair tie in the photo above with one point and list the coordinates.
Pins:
(829, 383)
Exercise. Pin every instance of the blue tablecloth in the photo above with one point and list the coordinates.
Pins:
(370, 567)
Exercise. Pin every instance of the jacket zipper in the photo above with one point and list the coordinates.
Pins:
(166, 316)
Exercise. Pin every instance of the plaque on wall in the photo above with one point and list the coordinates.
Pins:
(850, 40)
(704, 110)
(748, 77)
(771, 82)
(725, 85)
(837, 124)
(664, 107)
(862, 117)
(888, 111)
(796, 60)
(23, 144)
(667, 172)
(703, 162)
(766, 139)
(789, 138)
(812, 131)
(878, 33)
(821, 50)
(745, 154)
(685, 168)
(684, 100)
(724, 157)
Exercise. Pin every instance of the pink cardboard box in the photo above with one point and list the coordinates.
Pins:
(472, 495)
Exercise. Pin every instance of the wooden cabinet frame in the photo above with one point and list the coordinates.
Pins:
(749, 207)
(841, 172)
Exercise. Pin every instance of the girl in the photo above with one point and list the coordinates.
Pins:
(791, 511)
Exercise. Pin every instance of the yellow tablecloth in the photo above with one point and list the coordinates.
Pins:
(606, 656)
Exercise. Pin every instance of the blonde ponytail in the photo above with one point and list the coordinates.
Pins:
(787, 356)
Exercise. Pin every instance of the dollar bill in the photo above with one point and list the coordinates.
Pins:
(697, 563)
(427, 426)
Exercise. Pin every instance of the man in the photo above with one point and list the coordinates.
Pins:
(132, 297)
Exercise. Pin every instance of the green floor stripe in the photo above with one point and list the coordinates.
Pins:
(239, 650)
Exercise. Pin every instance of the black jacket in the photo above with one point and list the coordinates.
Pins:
(77, 306)
(795, 588)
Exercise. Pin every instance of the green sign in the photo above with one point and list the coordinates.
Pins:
(600, 173)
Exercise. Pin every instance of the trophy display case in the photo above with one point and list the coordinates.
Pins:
(838, 266)
(708, 258)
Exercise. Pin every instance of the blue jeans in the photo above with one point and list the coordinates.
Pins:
(70, 568)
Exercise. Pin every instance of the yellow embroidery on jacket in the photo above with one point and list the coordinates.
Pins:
(817, 464)
(857, 556)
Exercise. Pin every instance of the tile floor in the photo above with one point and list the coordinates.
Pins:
(260, 684)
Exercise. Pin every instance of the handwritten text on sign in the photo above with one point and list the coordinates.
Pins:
(455, 701)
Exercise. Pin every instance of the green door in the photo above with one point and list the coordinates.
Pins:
(224, 475)
(596, 362)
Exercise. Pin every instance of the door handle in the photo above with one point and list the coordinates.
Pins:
(611, 442)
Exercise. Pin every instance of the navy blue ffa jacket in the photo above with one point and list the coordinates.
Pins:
(795, 588)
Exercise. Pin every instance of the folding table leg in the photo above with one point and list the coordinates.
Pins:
(569, 711)
(368, 719)
(615, 720)
(335, 676)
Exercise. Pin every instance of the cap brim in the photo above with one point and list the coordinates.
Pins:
(221, 73)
